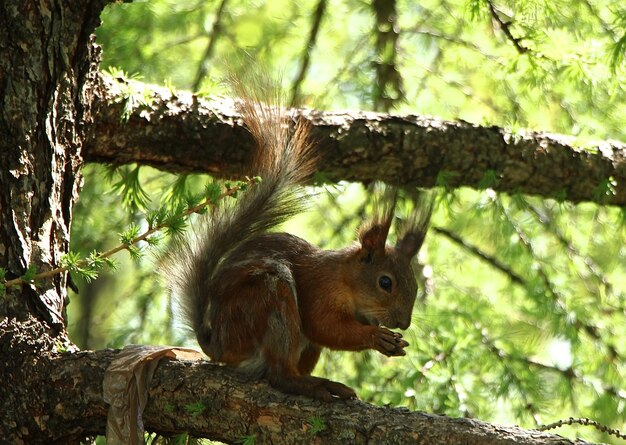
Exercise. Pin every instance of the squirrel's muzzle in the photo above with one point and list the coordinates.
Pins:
(403, 321)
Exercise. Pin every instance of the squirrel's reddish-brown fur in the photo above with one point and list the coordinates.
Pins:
(267, 303)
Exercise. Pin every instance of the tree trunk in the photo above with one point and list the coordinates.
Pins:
(47, 66)
(48, 63)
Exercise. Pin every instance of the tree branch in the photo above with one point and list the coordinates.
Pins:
(206, 400)
(490, 259)
(208, 52)
(182, 132)
(305, 59)
(505, 27)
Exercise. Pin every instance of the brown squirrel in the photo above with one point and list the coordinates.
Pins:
(267, 303)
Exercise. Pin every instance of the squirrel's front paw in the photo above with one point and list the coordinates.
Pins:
(389, 343)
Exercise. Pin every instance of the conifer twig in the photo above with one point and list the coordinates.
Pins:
(505, 27)
(583, 421)
(482, 255)
(548, 221)
(231, 191)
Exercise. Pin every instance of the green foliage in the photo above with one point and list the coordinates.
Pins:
(178, 190)
(134, 93)
(96, 233)
(618, 51)
(29, 275)
(182, 439)
(3, 274)
(605, 189)
(88, 271)
(127, 238)
(195, 409)
(179, 439)
(212, 191)
(246, 440)
(175, 223)
(129, 235)
(129, 187)
(490, 179)
(316, 424)
(445, 180)
(60, 347)
(521, 302)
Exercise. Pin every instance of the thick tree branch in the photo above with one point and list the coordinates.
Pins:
(207, 400)
(181, 132)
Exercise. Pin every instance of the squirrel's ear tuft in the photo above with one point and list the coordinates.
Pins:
(413, 231)
(373, 234)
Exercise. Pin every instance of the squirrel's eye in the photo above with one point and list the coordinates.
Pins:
(385, 283)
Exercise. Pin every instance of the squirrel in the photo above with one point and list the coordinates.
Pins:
(266, 303)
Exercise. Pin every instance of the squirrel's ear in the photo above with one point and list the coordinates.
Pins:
(373, 238)
(410, 244)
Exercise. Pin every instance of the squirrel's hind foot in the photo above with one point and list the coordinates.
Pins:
(314, 387)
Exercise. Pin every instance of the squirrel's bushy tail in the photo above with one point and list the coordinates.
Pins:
(283, 159)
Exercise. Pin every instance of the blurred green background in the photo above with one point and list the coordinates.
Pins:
(521, 312)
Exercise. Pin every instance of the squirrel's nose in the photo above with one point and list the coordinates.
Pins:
(404, 321)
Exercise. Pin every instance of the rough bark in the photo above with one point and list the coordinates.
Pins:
(184, 133)
(47, 67)
(46, 71)
(68, 405)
